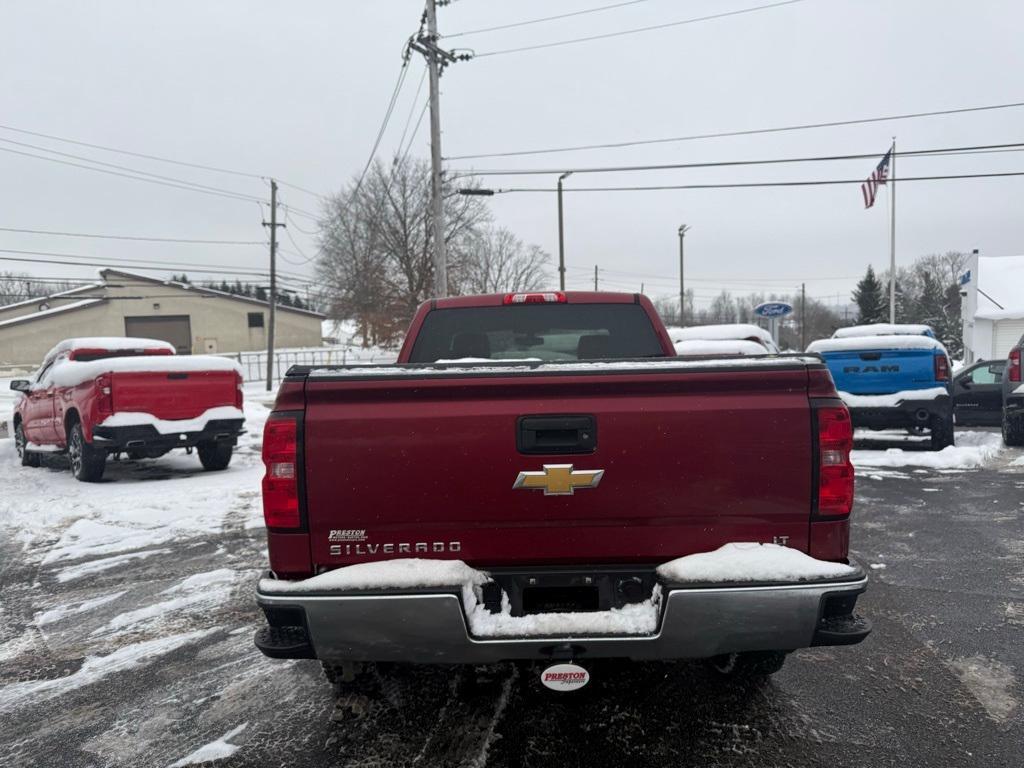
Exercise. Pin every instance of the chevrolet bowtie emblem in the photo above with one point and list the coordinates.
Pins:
(559, 479)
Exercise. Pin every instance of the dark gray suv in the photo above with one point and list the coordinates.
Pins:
(1013, 397)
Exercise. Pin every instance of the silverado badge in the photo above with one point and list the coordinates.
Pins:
(559, 479)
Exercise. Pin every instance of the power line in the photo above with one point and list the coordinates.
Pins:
(817, 182)
(412, 110)
(133, 154)
(403, 71)
(190, 188)
(546, 18)
(941, 152)
(636, 30)
(296, 187)
(141, 264)
(706, 279)
(748, 132)
(124, 168)
(131, 237)
(287, 215)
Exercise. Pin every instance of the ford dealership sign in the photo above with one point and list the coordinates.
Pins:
(773, 309)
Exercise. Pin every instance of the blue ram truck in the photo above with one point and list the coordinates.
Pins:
(892, 376)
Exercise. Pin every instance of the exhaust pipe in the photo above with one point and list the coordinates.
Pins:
(921, 415)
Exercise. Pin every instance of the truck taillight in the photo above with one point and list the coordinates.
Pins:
(1014, 366)
(238, 392)
(281, 482)
(941, 368)
(835, 471)
(104, 396)
(551, 297)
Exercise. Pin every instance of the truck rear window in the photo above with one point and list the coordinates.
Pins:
(542, 331)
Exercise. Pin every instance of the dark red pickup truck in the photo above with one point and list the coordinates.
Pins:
(540, 478)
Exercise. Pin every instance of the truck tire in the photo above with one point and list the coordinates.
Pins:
(942, 432)
(1013, 430)
(28, 458)
(747, 665)
(214, 455)
(87, 462)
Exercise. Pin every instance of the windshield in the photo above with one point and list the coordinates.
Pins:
(541, 332)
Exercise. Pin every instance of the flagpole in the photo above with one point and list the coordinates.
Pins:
(892, 236)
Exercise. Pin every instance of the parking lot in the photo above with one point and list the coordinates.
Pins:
(127, 640)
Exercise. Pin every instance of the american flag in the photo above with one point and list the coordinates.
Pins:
(878, 176)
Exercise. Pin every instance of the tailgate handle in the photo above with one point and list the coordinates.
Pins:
(556, 434)
(177, 375)
(870, 355)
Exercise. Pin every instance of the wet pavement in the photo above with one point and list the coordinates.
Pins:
(136, 664)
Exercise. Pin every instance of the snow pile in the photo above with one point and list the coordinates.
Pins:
(750, 561)
(972, 450)
(636, 619)
(402, 573)
(71, 373)
(724, 332)
(172, 426)
(884, 329)
(872, 343)
(215, 750)
(722, 347)
(892, 400)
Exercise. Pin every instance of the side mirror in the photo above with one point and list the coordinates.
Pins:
(20, 385)
(965, 382)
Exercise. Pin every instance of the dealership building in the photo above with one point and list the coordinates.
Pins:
(992, 296)
(193, 319)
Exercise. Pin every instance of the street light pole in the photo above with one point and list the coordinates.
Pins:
(683, 229)
(561, 234)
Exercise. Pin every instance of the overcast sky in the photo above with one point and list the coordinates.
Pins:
(297, 90)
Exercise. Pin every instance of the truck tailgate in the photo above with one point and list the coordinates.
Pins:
(691, 460)
(877, 372)
(172, 395)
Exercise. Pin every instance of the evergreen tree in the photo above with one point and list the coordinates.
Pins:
(931, 305)
(870, 298)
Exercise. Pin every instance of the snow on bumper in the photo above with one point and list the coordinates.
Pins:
(908, 408)
(449, 623)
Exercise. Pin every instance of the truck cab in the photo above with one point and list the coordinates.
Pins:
(892, 376)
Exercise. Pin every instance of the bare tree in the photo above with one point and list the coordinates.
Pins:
(376, 247)
(499, 261)
(18, 286)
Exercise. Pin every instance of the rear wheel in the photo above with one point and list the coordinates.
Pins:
(942, 432)
(1013, 430)
(27, 457)
(214, 455)
(87, 462)
(747, 665)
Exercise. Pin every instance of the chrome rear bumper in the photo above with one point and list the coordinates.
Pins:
(430, 626)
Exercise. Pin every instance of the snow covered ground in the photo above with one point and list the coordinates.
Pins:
(972, 450)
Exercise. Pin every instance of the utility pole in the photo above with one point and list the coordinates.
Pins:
(595, 277)
(273, 224)
(683, 229)
(892, 237)
(803, 316)
(561, 234)
(437, 59)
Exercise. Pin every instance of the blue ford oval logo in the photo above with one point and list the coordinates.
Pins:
(773, 309)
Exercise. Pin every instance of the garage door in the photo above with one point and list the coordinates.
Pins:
(175, 329)
(1004, 336)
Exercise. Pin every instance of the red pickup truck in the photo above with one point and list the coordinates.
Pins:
(96, 397)
(540, 478)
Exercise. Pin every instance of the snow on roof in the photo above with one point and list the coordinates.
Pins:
(884, 329)
(110, 343)
(54, 311)
(57, 295)
(875, 342)
(716, 332)
(1002, 278)
(719, 347)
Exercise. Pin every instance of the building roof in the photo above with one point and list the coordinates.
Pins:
(59, 294)
(1000, 288)
(72, 307)
(208, 291)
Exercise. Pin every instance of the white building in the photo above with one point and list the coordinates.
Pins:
(992, 295)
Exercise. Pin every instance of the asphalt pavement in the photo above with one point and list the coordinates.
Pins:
(936, 684)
